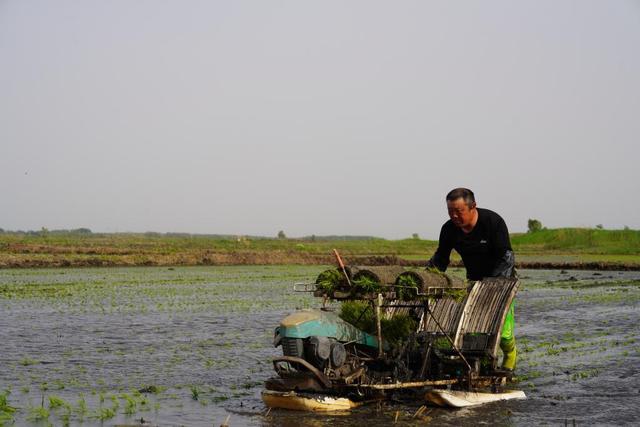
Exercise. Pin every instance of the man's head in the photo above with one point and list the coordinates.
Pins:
(461, 205)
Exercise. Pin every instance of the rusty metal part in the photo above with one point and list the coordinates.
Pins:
(342, 295)
(290, 359)
(412, 384)
(354, 376)
(300, 382)
(456, 349)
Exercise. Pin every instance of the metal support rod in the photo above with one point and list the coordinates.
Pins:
(425, 360)
(453, 345)
(378, 303)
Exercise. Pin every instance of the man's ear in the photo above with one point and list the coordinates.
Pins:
(473, 205)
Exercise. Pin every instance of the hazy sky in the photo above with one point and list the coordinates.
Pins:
(323, 117)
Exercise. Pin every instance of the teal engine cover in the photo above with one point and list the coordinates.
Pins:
(309, 323)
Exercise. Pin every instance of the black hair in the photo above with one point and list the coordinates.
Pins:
(462, 193)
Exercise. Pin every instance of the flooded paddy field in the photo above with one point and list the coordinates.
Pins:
(192, 345)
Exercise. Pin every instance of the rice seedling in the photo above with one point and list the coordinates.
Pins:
(360, 314)
(103, 413)
(57, 402)
(65, 417)
(195, 393)
(38, 413)
(130, 404)
(81, 407)
(27, 361)
(329, 280)
(6, 410)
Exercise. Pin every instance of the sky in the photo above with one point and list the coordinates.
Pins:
(317, 117)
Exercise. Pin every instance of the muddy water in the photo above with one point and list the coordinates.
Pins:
(191, 346)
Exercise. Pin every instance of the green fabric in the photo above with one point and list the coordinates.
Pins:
(507, 328)
(508, 340)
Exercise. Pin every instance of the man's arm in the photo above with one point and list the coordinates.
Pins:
(441, 258)
(504, 265)
(505, 258)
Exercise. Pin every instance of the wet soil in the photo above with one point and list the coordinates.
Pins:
(192, 345)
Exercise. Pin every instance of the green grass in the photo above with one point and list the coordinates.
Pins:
(579, 240)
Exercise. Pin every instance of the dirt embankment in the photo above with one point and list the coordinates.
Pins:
(44, 257)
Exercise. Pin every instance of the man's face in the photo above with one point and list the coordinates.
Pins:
(461, 214)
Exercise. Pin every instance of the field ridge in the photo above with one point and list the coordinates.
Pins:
(555, 248)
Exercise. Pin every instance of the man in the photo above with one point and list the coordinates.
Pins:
(481, 238)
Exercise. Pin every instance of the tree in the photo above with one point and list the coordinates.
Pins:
(533, 225)
(599, 227)
(281, 235)
(415, 236)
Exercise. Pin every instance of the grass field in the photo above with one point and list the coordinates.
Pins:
(54, 249)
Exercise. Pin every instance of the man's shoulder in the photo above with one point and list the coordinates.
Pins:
(449, 226)
(448, 230)
(488, 215)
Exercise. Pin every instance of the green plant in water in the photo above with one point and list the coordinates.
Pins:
(143, 402)
(4, 399)
(130, 405)
(57, 402)
(220, 398)
(65, 417)
(38, 413)
(154, 389)
(27, 361)
(115, 403)
(195, 394)
(81, 407)
(104, 413)
(6, 411)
